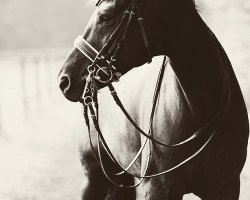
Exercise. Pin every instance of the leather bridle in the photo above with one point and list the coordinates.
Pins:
(103, 69)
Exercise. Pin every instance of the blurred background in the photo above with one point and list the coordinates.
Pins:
(39, 129)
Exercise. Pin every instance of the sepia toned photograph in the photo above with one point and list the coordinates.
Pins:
(124, 100)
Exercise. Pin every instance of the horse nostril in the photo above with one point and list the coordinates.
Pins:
(64, 84)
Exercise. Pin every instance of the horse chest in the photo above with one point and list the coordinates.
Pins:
(169, 120)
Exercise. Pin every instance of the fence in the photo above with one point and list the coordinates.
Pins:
(28, 85)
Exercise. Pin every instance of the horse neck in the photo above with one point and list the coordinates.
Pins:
(197, 63)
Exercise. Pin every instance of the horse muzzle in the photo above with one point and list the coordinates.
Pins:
(83, 61)
(71, 89)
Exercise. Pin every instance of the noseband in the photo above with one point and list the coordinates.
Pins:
(102, 69)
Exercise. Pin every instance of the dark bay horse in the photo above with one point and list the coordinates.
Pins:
(198, 89)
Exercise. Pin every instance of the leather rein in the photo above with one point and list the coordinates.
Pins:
(102, 69)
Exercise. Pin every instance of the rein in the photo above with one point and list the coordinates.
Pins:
(102, 69)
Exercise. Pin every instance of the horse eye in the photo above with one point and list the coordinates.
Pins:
(106, 18)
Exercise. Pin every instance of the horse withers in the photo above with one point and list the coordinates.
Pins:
(194, 111)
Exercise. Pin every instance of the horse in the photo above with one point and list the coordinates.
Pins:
(198, 104)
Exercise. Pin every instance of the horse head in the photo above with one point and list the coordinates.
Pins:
(137, 31)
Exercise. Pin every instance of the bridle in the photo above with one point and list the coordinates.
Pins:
(103, 69)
